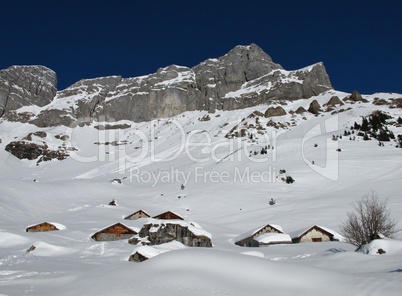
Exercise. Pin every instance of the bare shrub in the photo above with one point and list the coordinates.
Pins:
(370, 220)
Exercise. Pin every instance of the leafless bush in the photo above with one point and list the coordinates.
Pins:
(370, 220)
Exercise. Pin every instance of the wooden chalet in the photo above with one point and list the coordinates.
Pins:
(137, 215)
(168, 216)
(44, 226)
(116, 231)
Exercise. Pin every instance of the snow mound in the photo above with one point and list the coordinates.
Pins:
(383, 247)
(213, 272)
(49, 250)
(269, 238)
(11, 240)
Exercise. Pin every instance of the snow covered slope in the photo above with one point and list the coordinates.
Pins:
(228, 183)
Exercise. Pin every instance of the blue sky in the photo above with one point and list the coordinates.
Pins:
(360, 42)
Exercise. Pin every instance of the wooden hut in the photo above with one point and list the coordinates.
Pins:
(44, 226)
(263, 236)
(137, 215)
(116, 231)
(168, 216)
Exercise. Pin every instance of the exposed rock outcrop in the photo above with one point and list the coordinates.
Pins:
(26, 85)
(160, 232)
(217, 77)
(31, 151)
(279, 85)
(355, 97)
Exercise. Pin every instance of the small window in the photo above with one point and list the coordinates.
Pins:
(317, 239)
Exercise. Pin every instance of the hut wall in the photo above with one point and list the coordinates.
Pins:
(266, 229)
(248, 242)
(315, 235)
(111, 236)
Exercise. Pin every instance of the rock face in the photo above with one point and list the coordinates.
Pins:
(217, 77)
(168, 92)
(188, 234)
(246, 76)
(26, 85)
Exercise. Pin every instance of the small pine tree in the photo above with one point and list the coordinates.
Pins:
(357, 126)
(365, 125)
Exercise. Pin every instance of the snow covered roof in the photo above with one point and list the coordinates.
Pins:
(136, 212)
(270, 238)
(58, 226)
(195, 228)
(168, 215)
(129, 229)
(152, 251)
(301, 232)
(256, 230)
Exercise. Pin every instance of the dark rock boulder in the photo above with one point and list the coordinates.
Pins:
(355, 97)
(300, 110)
(314, 107)
(274, 111)
(39, 134)
(333, 101)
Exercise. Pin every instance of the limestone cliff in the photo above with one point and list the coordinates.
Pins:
(246, 76)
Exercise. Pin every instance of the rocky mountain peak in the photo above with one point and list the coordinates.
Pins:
(246, 53)
(245, 76)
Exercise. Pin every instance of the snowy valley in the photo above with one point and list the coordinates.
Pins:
(290, 164)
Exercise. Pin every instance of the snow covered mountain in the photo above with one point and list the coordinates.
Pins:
(246, 76)
(228, 162)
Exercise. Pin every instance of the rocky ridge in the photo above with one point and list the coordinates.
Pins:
(246, 76)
